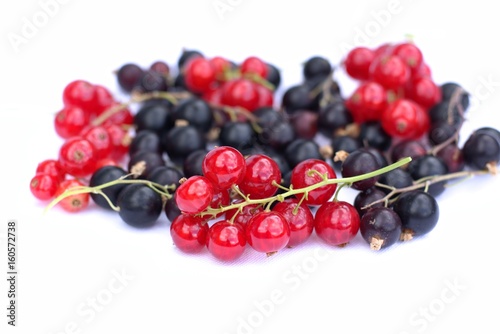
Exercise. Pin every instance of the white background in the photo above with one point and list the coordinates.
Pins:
(444, 282)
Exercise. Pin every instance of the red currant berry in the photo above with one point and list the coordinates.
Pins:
(266, 98)
(79, 93)
(199, 75)
(72, 203)
(99, 137)
(221, 66)
(300, 220)
(390, 71)
(120, 141)
(268, 232)
(260, 173)
(44, 186)
(70, 121)
(337, 223)
(77, 157)
(103, 99)
(357, 63)
(425, 92)
(224, 166)
(242, 217)
(367, 102)
(121, 117)
(226, 241)
(221, 198)
(52, 167)
(194, 195)
(254, 65)
(309, 172)
(383, 50)
(409, 53)
(240, 93)
(405, 119)
(189, 233)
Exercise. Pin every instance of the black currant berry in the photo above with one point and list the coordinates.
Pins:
(239, 135)
(146, 141)
(194, 111)
(296, 98)
(181, 141)
(419, 213)
(366, 197)
(152, 82)
(380, 227)
(129, 76)
(429, 166)
(440, 132)
(346, 144)
(144, 162)
(332, 117)
(397, 178)
(140, 206)
(154, 116)
(171, 209)
(193, 163)
(449, 89)
(267, 117)
(300, 150)
(278, 136)
(480, 150)
(166, 176)
(357, 163)
(104, 175)
(273, 75)
(317, 67)
(407, 148)
(453, 157)
(372, 135)
(449, 114)
(305, 123)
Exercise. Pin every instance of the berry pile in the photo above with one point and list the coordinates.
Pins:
(208, 147)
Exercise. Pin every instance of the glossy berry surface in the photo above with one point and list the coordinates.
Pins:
(44, 186)
(300, 220)
(336, 223)
(357, 163)
(72, 203)
(405, 119)
(70, 121)
(224, 166)
(260, 173)
(310, 172)
(104, 175)
(189, 233)
(140, 206)
(268, 232)
(226, 241)
(77, 157)
(194, 195)
(380, 227)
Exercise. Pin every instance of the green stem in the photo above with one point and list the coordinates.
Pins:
(306, 190)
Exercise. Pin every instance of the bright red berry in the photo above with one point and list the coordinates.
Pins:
(226, 241)
(405, 119)
(120, 141)
(240, 93)
(99, 137)
(266, 97)
(77, 157)
(367, 102)
(242, 217)
(337, 222)
(199, 75)
(70, 121)
(221, 198)
(103, 99)
(254, 65)
(261, 171)
(409, 53)
(425, 92)
(309, 172)
(194, 195)
(189, 233)
(79, 93)
(390, 71)
(52, 167)
(300, 220)
(121, 117)
(44, 186)
(72, 203)
(357, 63)
(221, 66)
(268, 232)
(224, 166)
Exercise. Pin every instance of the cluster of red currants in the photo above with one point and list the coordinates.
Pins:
(396, 88)
(91, 142)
